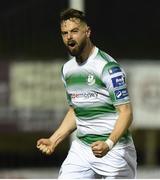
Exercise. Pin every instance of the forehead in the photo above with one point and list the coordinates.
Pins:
(71, 23)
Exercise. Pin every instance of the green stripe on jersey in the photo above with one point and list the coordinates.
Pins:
(109, 66)
(94, 111)
(91, 138)
(105, 56)
(81, 79)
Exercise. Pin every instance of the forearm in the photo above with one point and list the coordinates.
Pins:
(123, 122)
(67, 126)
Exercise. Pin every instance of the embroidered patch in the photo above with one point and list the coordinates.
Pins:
(91, 79)
(118, 81)
(121, 93)
(114, 70)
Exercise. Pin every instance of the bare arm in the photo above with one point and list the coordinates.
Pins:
(123, 122)
(68, 125)
(66, 128)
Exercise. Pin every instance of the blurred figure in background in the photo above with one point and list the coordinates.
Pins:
(100, 109)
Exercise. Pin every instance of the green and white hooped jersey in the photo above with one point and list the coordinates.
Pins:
(93, 89)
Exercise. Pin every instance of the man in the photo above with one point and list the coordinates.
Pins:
(100, 109)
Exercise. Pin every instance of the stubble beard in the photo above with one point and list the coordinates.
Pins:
(76, 51)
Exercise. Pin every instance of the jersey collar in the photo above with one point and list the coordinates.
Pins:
(91, 57)
(94, 54)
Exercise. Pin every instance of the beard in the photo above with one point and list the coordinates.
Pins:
(77, 49)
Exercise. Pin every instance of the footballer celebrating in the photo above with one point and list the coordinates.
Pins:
(99, 109)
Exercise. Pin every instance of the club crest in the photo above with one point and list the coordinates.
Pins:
(91, 80)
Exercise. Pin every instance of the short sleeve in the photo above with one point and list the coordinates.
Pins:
(64, 82)
(114, 79)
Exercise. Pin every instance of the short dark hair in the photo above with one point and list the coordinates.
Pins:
(72, 13)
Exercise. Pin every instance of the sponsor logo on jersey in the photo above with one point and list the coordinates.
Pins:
(86, 95)
(121, 93)
(114, 70)
(118, 81)
(91, 80)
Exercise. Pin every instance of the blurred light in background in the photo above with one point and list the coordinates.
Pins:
(32, 97)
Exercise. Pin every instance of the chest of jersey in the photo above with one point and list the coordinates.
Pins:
(84, 85)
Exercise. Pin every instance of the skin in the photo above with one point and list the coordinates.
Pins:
(77, 33)
(123, 122)
(68, 125)
(76, 37)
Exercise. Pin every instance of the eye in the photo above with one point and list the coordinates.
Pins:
(75, 30)
(64, 33)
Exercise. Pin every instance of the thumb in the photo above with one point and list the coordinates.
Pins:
(43, 141)
(94, 144)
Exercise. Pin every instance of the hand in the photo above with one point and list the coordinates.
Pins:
(99, 148)
(46, 146)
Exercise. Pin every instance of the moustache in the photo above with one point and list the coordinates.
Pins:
(71, 43)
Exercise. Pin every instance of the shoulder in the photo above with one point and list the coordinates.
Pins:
(108, 63)
(68, 65)
(105, 57)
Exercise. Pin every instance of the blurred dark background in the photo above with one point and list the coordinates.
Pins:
(127, 29)
(29, 32)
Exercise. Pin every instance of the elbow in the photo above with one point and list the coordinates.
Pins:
(131, 117)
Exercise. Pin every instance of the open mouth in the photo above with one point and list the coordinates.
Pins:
(71, 43)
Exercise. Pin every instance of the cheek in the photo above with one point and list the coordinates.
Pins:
(83, 38)
(64, 40)
(80, 37)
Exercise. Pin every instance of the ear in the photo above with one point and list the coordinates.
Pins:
(88, 31)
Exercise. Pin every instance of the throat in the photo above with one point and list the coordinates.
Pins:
(84, 56)
(81, 60)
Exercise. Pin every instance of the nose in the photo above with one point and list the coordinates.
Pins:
(69, 36)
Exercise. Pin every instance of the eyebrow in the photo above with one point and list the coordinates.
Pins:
(75, 28)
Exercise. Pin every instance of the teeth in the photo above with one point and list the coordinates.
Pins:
(71, 43)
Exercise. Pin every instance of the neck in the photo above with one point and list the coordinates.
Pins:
(86, 52)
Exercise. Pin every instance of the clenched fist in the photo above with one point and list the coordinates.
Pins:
(99, 148)
(46, 146)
